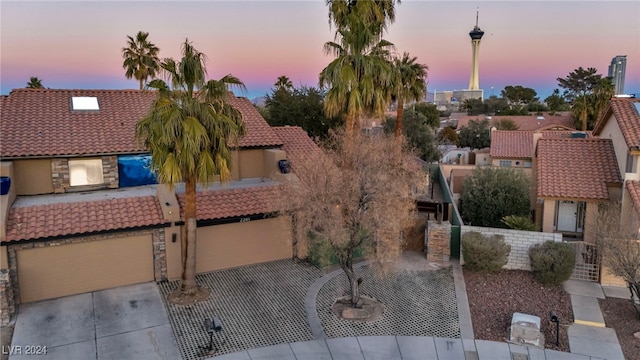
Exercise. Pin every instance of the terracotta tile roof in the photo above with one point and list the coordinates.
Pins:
(511, 144)
(628, 118)
(526, 123)
(633, 187)
(576, 168)
(296, 142)
(517, 144)
(259, 133)
(227, 203)
(69, 219)
(40, 122)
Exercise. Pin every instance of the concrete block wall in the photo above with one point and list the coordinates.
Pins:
(519, 240)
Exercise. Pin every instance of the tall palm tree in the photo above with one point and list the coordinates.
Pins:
(188, 132)
(283, 83)
(35, 83)
(140, 58)
(603, 91)
(380, 13)
(409, 84)
(581, 109)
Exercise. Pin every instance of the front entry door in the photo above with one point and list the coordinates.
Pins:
(567, 216)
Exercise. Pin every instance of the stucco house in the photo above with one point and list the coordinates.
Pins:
(80, 210)
(621, 124)
(572, 176)
(559, 121)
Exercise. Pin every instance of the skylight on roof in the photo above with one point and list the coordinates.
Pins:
(84, 103)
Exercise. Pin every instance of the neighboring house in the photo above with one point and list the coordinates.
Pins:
(525, 123)
(621, 124)
(573, 176)
(81, 210)
(515, 148)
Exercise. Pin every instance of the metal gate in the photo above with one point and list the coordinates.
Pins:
(587, 261)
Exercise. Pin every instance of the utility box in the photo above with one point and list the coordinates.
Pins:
(525, 330)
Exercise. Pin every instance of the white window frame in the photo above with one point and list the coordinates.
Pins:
(84, 172)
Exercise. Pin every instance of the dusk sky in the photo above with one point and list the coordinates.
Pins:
(77, 44)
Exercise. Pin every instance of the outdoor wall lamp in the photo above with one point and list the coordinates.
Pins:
(174, 237)
(554, 318)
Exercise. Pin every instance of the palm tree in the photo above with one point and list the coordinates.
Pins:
(35, 83)
(409, 83)
(581, 109)
(283, 83)
(140, 58)
(603, 91)
(380, 13)
(188, 131)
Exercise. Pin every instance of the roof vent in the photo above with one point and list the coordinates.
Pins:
(578, 135)
(540, 118)
(84, 103)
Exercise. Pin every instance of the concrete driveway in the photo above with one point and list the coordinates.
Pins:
(128, 322)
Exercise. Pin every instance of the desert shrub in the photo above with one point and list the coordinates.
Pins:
(519, 223)
(552, 262)
(484, 253)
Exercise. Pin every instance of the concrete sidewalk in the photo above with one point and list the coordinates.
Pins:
(401, 347)
(589, 335)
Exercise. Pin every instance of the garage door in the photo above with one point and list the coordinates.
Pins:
(238, 244)
(55, 271)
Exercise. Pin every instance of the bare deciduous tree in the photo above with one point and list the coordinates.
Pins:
(620, 248)
(356, 194)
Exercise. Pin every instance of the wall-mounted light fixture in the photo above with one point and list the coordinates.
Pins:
(174, 237)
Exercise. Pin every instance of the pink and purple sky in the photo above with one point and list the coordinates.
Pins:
(77, 44)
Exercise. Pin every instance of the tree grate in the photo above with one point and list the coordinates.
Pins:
(417, 303)
(259, 305)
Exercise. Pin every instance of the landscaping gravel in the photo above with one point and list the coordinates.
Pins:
(620, 315)
(493, 298)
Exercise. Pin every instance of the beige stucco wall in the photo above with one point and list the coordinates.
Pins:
(271, 158)
(446, 168)
(606, 278)
(242, 243)
(171, 211)
(251, 163)
(483, 159)
(548, 217)
(7, 169)
(4, 260)
(33, 177)
(611, 130)
(496, 163)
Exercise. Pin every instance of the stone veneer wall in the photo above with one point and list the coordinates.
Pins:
(60, 174)
(519, 240)
(439, 241)
(157, 238)
(7, 303)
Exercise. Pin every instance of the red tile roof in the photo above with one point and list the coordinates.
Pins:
(40, 122)
(633, 187)
(576, 168)
(297, 143)
(68, 219)
(526, 123)
(227, 203)
(516, 144)
(511, 144)
(628, 118)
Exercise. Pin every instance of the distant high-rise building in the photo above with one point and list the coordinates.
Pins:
(617, 71)
(476, 35)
